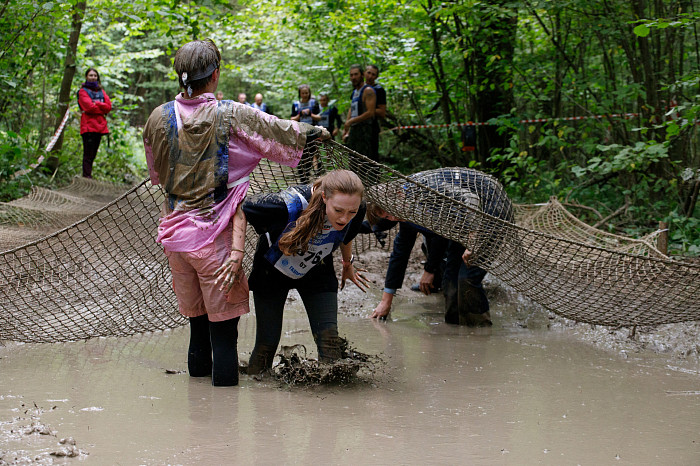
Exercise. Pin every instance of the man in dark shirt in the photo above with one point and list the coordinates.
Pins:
(357, 134)
(465, 300)
(371, 75)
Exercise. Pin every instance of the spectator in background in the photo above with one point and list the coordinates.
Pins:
(259, 104)
(94, 105)
(329, 115)
(219, 95)
(371, 74)
(242, 99)
(358, 124)
(305, 110)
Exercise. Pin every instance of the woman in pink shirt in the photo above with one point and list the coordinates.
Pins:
(202, 152)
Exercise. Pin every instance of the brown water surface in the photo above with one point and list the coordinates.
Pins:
(445, 395)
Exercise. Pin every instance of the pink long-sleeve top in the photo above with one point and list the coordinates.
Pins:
(253, 135)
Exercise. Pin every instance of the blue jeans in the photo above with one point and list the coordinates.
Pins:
(322, 310)
(464, 292)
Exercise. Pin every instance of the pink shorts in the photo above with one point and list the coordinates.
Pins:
(193, 282)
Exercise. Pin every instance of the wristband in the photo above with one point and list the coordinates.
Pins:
(352, 259)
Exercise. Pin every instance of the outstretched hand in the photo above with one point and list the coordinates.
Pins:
(354, 275)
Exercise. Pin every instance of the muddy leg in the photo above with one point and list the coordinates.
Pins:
(472, 301)
(322, 310)
(199, 362)
(329, 345)
(449, 282)
(224, 342)
(269, 310)
(261, 359)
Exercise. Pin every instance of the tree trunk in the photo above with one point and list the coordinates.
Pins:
(442, 85)
(493, 67)
(64, 95)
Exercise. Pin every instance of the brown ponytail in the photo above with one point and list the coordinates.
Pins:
(310, 222)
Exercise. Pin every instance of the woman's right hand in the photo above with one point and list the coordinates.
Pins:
(230, 272)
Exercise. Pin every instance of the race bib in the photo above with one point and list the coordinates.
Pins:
(296, 266)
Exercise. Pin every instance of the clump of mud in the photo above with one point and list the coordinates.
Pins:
(294, 368)
(41, 449)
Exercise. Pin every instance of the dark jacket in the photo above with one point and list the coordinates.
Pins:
(269, 214)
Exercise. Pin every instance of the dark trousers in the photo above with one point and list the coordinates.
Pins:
(464, 292)
(91, 143)
(322, 310)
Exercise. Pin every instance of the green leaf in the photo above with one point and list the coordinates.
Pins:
(642, 30)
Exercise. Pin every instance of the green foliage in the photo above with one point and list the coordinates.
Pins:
(616, 158)
(500, 61)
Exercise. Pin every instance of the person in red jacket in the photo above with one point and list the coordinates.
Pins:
(94, 105)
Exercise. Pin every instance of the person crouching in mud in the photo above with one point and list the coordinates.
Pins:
(299, 229)
(465, 299)
(202, 151)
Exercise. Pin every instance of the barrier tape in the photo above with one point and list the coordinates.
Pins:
(59, 130)
(49, 146)
(533, 120)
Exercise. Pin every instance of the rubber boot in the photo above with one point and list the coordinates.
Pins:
(451, 303)
(329, 345)
(199, 353)
(261, 359)
(473, 306)
(224, 344)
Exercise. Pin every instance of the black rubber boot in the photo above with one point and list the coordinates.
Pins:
(473, 306)
(199, 353)
(261, 359)
(224, 343)
(329, 346)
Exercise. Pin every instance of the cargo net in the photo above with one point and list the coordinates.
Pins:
(82, 262)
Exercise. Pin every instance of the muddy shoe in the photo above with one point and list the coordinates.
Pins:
(476, 320)
(261, 359)
(330, 345)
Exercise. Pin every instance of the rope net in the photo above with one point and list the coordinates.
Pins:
(79, 263)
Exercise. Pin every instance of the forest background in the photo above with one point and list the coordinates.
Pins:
(498, 62)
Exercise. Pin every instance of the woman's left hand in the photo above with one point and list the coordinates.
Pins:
(230, 272)
(354, 275)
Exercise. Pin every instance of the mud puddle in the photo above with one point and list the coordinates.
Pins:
(517, 393)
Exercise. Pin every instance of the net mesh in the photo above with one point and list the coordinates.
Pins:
(78, 264)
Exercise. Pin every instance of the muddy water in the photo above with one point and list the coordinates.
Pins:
(517, 393)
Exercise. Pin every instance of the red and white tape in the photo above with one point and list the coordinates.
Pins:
(59, 130)
(534, 120)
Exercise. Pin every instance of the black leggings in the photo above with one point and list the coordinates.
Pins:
(91, 142)
(322, 309)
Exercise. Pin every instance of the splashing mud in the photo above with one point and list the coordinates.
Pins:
(295, 368)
